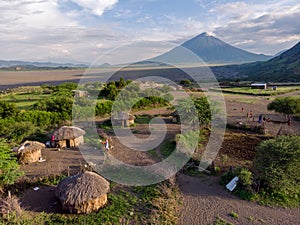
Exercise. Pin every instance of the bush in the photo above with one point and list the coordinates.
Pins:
(7, 110)
(15, 131)
(103, 108)
(9, 166)
(243, 189)
(245, 177)
(277, 166)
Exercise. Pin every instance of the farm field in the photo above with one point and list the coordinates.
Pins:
(259, 92)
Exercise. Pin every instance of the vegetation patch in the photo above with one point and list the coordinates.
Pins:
(258, 92)
(156, 204)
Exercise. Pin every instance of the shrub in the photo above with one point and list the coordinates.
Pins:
(277, 166)
(9, 166)
(7, 110)
(243, 189)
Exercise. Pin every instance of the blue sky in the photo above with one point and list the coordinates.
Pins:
(82, 30)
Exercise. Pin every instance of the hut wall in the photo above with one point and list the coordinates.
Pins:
(131, 122)
(30, 156)
(62, 143)
(73, 142)
(91, 206)
(77, 142)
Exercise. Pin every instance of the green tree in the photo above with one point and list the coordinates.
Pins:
(7, 110)
(9, 168)
(60, 104)
(286, 105)
(121, 83)
(277, 165)
(185, 83)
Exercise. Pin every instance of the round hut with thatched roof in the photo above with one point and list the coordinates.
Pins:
(83, 193)
(69, 137)
(123, 119)
(30, 152)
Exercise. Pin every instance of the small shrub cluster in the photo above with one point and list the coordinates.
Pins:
(243, 188)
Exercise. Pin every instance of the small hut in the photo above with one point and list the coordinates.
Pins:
(69, 137)
(83, 193)
(30, 152)
(122, 119)
(80, 94)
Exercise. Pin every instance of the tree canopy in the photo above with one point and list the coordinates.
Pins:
(285, 105)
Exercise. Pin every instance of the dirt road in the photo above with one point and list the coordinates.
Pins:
(204, 200)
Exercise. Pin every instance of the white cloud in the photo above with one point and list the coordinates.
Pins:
(96, 7)
(44, 30)
(263, 27)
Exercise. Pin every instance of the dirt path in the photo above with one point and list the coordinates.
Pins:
(204, 200)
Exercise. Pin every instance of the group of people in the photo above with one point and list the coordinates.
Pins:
(261, 118)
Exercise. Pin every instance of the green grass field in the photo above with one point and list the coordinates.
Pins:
(24, 100)
(260, 92)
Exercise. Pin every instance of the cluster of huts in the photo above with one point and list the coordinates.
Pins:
(65, 137)
(79, 194)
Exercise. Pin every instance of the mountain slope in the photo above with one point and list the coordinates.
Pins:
(285, 67)
(211, 50)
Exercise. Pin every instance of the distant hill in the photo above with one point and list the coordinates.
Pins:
(32, 65)
(211, 50)
(283, 68)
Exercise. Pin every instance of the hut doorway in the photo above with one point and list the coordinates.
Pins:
(68, 144)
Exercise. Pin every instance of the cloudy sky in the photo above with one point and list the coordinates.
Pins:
(82, 30)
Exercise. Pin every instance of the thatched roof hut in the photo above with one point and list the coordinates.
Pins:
(83, 193)
(69, 136)
(30, 152)
(123, 119)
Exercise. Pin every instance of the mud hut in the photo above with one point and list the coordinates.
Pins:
(69, 137)
(83, 193)
(123, 119)
(30, 152)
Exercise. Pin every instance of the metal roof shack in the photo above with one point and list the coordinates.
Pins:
(259, 86)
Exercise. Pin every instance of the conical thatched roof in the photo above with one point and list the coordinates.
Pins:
(80, 189)
(29, 146)
(68, 133)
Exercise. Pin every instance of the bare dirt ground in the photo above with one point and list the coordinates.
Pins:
(57, 162)
(204, 200)
(258, 106)
(42, 200)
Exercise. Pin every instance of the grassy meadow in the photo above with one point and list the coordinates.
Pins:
(260, 92)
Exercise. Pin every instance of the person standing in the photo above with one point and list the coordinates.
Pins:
(107, 144)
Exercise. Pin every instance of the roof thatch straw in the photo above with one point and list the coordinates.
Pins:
(83, 193)
(68, 133)
(30, 152)
(30, 146)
